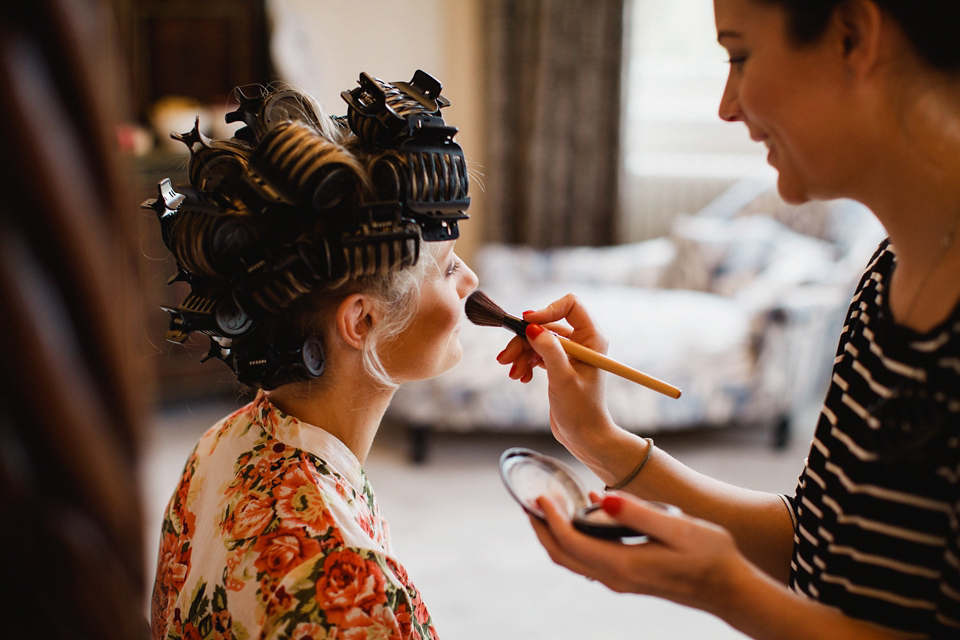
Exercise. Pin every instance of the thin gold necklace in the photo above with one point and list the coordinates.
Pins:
(946, 242)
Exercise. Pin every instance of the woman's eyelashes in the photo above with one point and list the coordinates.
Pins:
(453, 268)
(736, 62)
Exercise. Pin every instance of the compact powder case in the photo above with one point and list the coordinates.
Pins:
(529, 475)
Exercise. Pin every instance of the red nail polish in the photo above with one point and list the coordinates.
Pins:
(533, 330)
(527, 311)
(513, 370)
(500, 355)
(612, 504)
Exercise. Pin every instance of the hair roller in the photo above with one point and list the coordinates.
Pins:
(390, 254)
(217, 172)
(209, 245)
(205, 242)
(388, 175)
(309, 167)
(227, 176)
(261, 111)
(223, 173)
(273, 285)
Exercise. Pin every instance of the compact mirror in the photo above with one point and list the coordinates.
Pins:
(529, 475)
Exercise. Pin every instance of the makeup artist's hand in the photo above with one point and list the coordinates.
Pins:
(578, 408)
(686, 560)
(581, 329)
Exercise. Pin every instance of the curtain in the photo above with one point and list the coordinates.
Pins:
(554, 120)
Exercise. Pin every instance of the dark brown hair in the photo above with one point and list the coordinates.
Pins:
(930, 25)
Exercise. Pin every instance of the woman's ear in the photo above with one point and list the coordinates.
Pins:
(860, 24)
(355, 317)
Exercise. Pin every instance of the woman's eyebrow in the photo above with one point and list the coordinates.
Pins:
(727, 33)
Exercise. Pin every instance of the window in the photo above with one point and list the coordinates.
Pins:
(678, 154)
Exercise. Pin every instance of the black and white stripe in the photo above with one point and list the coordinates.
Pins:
(878, 507)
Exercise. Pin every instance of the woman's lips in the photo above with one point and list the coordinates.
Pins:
(766, 142)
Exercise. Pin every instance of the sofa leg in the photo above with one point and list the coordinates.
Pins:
(419, 443)
(781, 433)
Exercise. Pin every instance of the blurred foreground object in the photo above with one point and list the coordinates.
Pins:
(72, 393)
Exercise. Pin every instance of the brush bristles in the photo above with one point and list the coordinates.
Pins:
(483, 311)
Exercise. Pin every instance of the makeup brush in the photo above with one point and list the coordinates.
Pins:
(483, 311)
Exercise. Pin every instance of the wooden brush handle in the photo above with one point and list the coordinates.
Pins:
(600, 361)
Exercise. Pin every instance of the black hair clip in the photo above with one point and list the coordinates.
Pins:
(381, 112)
(261, 114)
(220, 317)
(382, 241)
(436, 187)
(271, 364)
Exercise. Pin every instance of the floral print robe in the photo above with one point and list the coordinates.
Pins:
(274, 532)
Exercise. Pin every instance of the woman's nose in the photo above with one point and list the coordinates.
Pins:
(730, 105)
(469, 283)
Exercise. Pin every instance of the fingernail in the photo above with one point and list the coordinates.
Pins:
(527, 311)
(513, 370)
(612, 504)
(533, 330)
(500, 355)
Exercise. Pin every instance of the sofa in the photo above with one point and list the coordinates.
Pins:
(740, 305)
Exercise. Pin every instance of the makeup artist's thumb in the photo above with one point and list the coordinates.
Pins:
(546, 345)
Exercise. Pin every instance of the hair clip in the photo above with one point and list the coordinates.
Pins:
(275, 364)
(210, 316)
(380, 112)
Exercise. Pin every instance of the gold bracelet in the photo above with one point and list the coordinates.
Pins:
(633, 474)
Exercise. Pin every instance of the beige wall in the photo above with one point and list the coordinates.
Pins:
(322, 46)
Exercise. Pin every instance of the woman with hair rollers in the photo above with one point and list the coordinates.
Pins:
(856, 99)
(321, 263)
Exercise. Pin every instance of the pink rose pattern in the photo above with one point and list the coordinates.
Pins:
(276, 518)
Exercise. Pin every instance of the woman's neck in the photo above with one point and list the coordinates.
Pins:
(915, 193)
(903, 137)
(350, 406)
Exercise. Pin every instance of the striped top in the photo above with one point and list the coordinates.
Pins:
(877, 507)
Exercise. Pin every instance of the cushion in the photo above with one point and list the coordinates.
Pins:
(726, 256)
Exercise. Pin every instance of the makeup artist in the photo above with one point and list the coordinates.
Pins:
(856, 99)
(325, 282)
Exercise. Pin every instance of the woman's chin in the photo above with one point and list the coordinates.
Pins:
(791, 192)
(453, 358)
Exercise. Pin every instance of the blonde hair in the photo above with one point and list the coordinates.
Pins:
(396, 296)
